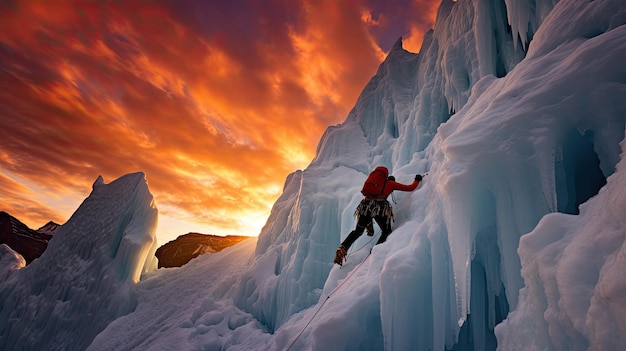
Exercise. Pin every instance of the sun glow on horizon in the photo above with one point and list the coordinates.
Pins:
(217, 107)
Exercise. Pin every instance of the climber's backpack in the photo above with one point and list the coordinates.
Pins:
(374, 185)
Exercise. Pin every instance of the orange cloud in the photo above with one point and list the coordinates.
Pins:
(425, 13)
(214, 101)
(20, 199)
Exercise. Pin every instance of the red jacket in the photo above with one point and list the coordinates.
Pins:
(392, 185)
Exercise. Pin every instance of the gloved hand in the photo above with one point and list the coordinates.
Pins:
(418, 177)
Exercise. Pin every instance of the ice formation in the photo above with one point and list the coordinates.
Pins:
(10, 261)
(534, 132)
(85, 278)
(575, 296)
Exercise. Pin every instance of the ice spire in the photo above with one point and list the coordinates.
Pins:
(397, 45)
(85, 278)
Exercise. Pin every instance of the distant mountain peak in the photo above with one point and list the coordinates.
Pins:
(20, 238)
(179, 252)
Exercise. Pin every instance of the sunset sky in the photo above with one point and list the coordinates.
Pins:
(216, 101)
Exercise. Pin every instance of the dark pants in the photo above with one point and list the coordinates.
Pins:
(383, 222)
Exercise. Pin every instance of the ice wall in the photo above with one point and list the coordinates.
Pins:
(507, 136)
(293, 256)
(85, 278)
(541, 139)
(395, 117)
(575, 296)
(525, 17)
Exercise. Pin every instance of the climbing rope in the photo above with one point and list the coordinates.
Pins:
(362, 247)
(334, 290)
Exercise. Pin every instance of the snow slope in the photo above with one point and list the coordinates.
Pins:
(189, 310)
(517, 111)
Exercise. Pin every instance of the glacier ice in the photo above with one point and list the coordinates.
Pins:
(574, 295)
(507, 137)
(85, 278)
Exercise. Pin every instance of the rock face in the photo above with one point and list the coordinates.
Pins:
(177, 253)
(18, 236)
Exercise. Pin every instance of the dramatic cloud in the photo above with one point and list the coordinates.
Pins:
(216, 101)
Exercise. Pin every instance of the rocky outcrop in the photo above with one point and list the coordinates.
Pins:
(18, 236)
(177, 253)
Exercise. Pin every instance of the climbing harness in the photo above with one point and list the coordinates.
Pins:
(374, 208)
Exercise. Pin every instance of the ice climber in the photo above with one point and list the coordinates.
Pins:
(378, 185)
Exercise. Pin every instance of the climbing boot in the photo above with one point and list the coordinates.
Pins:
(340, 255)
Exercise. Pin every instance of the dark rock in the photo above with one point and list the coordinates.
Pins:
(177, 253)
(18, 236)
